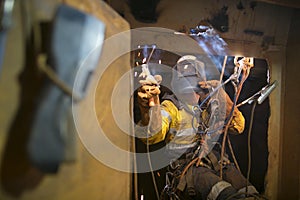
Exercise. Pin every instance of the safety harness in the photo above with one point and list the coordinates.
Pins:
(179, 177)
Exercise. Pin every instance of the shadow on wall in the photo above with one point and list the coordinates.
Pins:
(17, 173)
(42, 135)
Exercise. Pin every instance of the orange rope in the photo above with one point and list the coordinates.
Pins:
(188, 166)
(244, 77)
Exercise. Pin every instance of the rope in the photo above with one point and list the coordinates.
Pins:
(232, 153)
(238, 91)
(188, 166)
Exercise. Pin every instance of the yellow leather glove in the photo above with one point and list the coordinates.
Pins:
(148, 96)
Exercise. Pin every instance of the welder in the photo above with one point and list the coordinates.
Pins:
(191, 132)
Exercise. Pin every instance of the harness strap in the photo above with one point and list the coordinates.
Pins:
(190, 182)
(187, 181)
(182, 184)
(214, 161)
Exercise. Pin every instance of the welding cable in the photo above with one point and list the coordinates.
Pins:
(135, 178)
(249, 144)
(147, 138)
(149, 158)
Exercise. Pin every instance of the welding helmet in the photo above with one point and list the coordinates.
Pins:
(187, 74)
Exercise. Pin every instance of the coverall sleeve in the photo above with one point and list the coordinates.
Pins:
(237, 124)
(168, 112)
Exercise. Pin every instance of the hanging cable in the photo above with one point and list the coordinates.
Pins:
(249, 144)
(148, 75)
(149, 158)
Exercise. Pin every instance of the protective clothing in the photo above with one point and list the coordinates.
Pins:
(189, 71)
(181, 138)
(179, 135)
(177, 128)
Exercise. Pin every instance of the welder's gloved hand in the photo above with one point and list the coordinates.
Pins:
(148, 93)
(223, 96)
(208, 87)
(237, 123)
